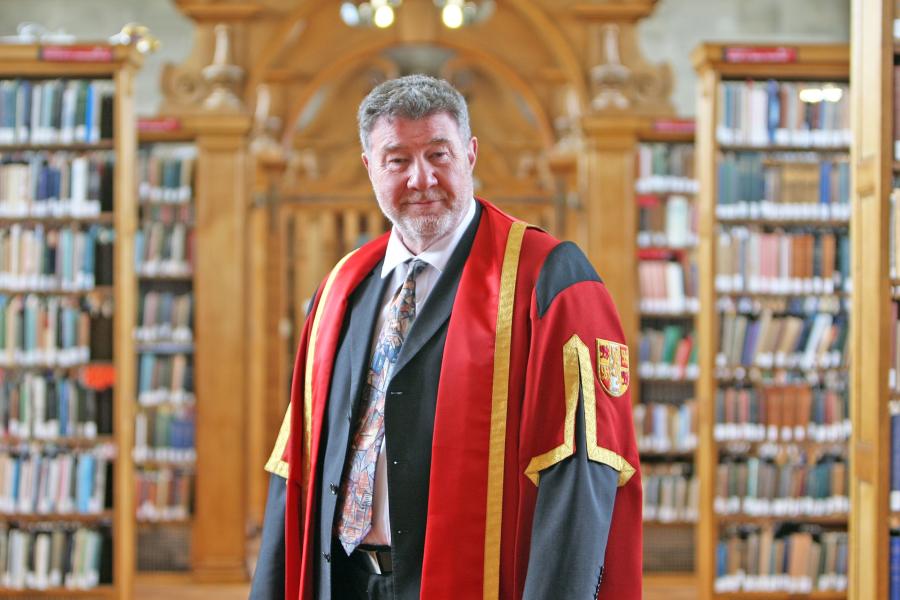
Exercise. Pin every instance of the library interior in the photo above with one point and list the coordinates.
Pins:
(728, 168)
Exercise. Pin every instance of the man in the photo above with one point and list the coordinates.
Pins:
(460, 422)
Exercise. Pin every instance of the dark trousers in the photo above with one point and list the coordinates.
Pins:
(351, 579)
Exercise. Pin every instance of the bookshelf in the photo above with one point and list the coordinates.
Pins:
(665, 411)
(873, 382)
(201, 530)
(164, 454)
(773, 141)
(68, 300)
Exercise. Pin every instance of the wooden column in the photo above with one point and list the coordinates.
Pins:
(870, 326)
(606, 168)
(125, 302)
(221, 348)
(707, 330)
(266, 382)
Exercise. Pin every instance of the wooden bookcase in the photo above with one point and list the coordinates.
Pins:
(774, 381)
(165, 464)
(875, 168)
(219, 281)
(665, 412)
(71, 69)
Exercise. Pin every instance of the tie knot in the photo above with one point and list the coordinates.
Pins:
(415, 267)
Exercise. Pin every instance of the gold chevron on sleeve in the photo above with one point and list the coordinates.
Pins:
(276, 464)
(578, 375)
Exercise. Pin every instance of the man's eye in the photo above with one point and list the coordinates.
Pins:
(396, 161)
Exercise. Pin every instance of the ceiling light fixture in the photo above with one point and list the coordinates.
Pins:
(379, 13)
(457, 13)
(382, 13)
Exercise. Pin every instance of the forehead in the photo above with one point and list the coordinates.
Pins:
(397, 131)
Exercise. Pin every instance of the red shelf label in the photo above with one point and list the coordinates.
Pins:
(674, 125)
(658, 253)
(98, 377)
(648, 200)
(151, 125)
(759, 54)
(91, 54)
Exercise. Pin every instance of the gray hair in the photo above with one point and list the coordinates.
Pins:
(412, 97)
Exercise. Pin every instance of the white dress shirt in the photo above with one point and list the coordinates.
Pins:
(396, 266)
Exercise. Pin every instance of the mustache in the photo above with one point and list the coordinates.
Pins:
(432, 195)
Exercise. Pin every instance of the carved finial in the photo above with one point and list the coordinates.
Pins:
(611, 77)
(222, 75)
(567, 121)
(137, 34)
(266, 127)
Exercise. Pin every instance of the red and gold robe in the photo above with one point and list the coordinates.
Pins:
(509, 390)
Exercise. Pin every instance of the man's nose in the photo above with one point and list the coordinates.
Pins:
(421, 176)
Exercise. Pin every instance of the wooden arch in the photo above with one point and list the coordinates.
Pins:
(545, 32)
(347, 62)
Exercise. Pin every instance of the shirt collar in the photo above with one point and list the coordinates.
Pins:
(437, 255)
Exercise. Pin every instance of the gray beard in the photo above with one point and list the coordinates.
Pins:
(425, 230)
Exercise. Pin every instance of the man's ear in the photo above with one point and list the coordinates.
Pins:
(472, 151)
(365, 160)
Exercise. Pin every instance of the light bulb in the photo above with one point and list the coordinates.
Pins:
(384, 16)
(349, 14)
(452, 16)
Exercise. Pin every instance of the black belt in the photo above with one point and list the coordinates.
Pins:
(377, 559)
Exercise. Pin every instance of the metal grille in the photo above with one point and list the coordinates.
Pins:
(668, 549)
(164, 548)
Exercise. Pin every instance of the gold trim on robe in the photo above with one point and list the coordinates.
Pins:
(579, 376)
(499, 400)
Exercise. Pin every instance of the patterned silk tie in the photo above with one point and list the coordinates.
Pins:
(358, 485)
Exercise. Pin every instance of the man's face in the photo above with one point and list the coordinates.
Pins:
(421, 172)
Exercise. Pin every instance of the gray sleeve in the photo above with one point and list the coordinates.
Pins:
(268, 578)
(571, 525)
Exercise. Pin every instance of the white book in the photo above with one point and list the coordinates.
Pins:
(8, 122)
(38, 391)
(759, 102)
(92, 565)
(65, 501)
(821, 323)
(17, 557)
(67, 121)
(179, 233)
(678, 222)
(52, 490)
(41, 504)
(79, 181)
(98, 496)
(7, 483)
(22, 119)
(41, 561)
(35, 129)
(675, 287)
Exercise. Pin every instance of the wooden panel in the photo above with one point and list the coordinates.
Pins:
(220, 380)
(871, 160)
(259, 434)
(707, 328)
(125, 312)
